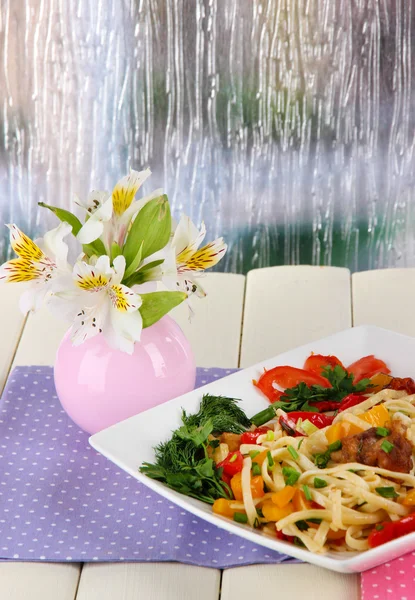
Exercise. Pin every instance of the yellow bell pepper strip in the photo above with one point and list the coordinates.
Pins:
(222, 507)
(272, 512)
(284, 496)
(257, 486)
(377, 416)
(340, 430)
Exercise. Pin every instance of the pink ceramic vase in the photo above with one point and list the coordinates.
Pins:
(99, 386)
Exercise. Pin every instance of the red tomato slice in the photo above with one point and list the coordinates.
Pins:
(316, 362)
(366, 367)
(287, 377)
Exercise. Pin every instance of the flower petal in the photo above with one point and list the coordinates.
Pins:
(90, 231)
(119, 268)
(23, 245)
(93, 278)
(88, 323)
(123, 299)
(187, 239)
(206, 257)
(54, 247)
(124, 330)
(126, 188)
(18, 270)
(32, 298)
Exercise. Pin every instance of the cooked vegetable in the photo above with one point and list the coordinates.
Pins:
(391, 530)
(182, 463)
(367, 367)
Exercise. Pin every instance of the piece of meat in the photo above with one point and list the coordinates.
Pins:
(232, 439)
(365, 448)
(406, 384)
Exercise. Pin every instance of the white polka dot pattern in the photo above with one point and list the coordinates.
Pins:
(62, 501)
(395, 580)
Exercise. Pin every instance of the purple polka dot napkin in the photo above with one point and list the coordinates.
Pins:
(62, 501)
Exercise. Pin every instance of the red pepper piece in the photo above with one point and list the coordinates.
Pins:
(250, 437)
(350, 400)
(285, 538)
(232, 465)
(325, 405)
(289, 422)
(392, 530)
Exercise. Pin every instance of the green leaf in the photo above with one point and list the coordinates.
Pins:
(142, 275)
(65, 216)
(133, 266)
(151, 227)
(96, 247)
(157, 304)
(115, 251)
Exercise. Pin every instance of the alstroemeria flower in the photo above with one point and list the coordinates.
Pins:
(105, 305)
(43, 263)
(110, 214)
(192, 261)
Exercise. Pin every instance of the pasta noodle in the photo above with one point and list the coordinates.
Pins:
(343, 502)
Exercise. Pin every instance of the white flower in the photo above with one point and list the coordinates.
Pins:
(111, 214)
(103, 304)
(190, 260)
(42, 262)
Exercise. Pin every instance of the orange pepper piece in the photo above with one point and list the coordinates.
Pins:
(259, 458)
(272, 512)
(377, 416)
(257, 486)
(409, 499)
(340, 430)
(222, 507)
(336, 535)
(283, 497)
(299, 501)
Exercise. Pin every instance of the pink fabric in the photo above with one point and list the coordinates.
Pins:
(394, 580)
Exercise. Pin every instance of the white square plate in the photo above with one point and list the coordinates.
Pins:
(130, 443)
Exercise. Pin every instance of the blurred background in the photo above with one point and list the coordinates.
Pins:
(287, 125)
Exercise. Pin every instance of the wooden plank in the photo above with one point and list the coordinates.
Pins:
(215, 330)
(286, 307)
(11, 325)
(384, 298)
(38, 581)
(153, 581)
(40, 339)
(288, 581)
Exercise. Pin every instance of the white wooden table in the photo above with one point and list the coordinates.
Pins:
(242, 321)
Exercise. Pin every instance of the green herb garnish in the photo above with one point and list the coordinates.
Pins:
(240, 517)
(382, 431)
(291, 476)
(302, 525)
(387, 492)
(293, 452)
(270, 460)
(183, 463)
(254, 453)
(256, 469)
(307, 493)
(387, 446)
(321, 460)
(319, 483)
